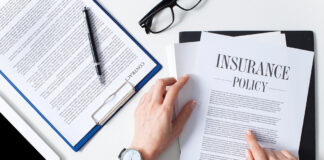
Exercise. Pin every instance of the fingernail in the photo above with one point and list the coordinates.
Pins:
(249, 132)
(247, 154)
(193, 104)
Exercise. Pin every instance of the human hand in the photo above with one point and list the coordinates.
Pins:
(256, 152)
(154, 128)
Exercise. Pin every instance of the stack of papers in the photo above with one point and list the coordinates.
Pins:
(252, 82)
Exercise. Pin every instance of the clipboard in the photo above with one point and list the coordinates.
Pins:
(295, 39)
(118, 98)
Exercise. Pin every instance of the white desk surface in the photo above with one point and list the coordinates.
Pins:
(210, 15)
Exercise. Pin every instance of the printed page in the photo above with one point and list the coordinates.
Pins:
(245, 85)
(182, 58)
(45, 52)
(178, 59)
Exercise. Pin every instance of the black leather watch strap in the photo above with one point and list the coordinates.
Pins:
(121, 152)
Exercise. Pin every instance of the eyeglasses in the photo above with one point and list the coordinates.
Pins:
(161, 17)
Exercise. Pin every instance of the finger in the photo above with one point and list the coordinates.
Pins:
(140, 105)
(270, 154)
(148, 96)
(256, 149)
(141, 102)
(288, 155)
(159, 88)
(173, 91)
(182, 118)
(280, 156)
(248, 155)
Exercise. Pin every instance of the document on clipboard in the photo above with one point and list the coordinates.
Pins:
(45, 55)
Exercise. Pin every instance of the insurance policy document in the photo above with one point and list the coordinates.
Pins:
(241, 85)
(182, 59)
(45, 52)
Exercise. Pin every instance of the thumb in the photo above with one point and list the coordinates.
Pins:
(182, 118)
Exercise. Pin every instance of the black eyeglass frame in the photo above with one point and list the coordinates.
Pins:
(146, 21)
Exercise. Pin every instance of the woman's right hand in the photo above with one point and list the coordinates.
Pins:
(256, 152)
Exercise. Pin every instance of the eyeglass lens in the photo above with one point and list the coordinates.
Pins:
(164, 18)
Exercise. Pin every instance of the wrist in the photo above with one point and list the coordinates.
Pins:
(146, 153)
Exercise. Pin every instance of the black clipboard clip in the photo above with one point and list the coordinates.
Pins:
(113, 102)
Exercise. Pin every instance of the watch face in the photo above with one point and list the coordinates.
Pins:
(131, 155)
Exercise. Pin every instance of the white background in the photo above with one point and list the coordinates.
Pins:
(210, 15)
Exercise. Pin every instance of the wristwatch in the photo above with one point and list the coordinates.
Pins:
(130, 154)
